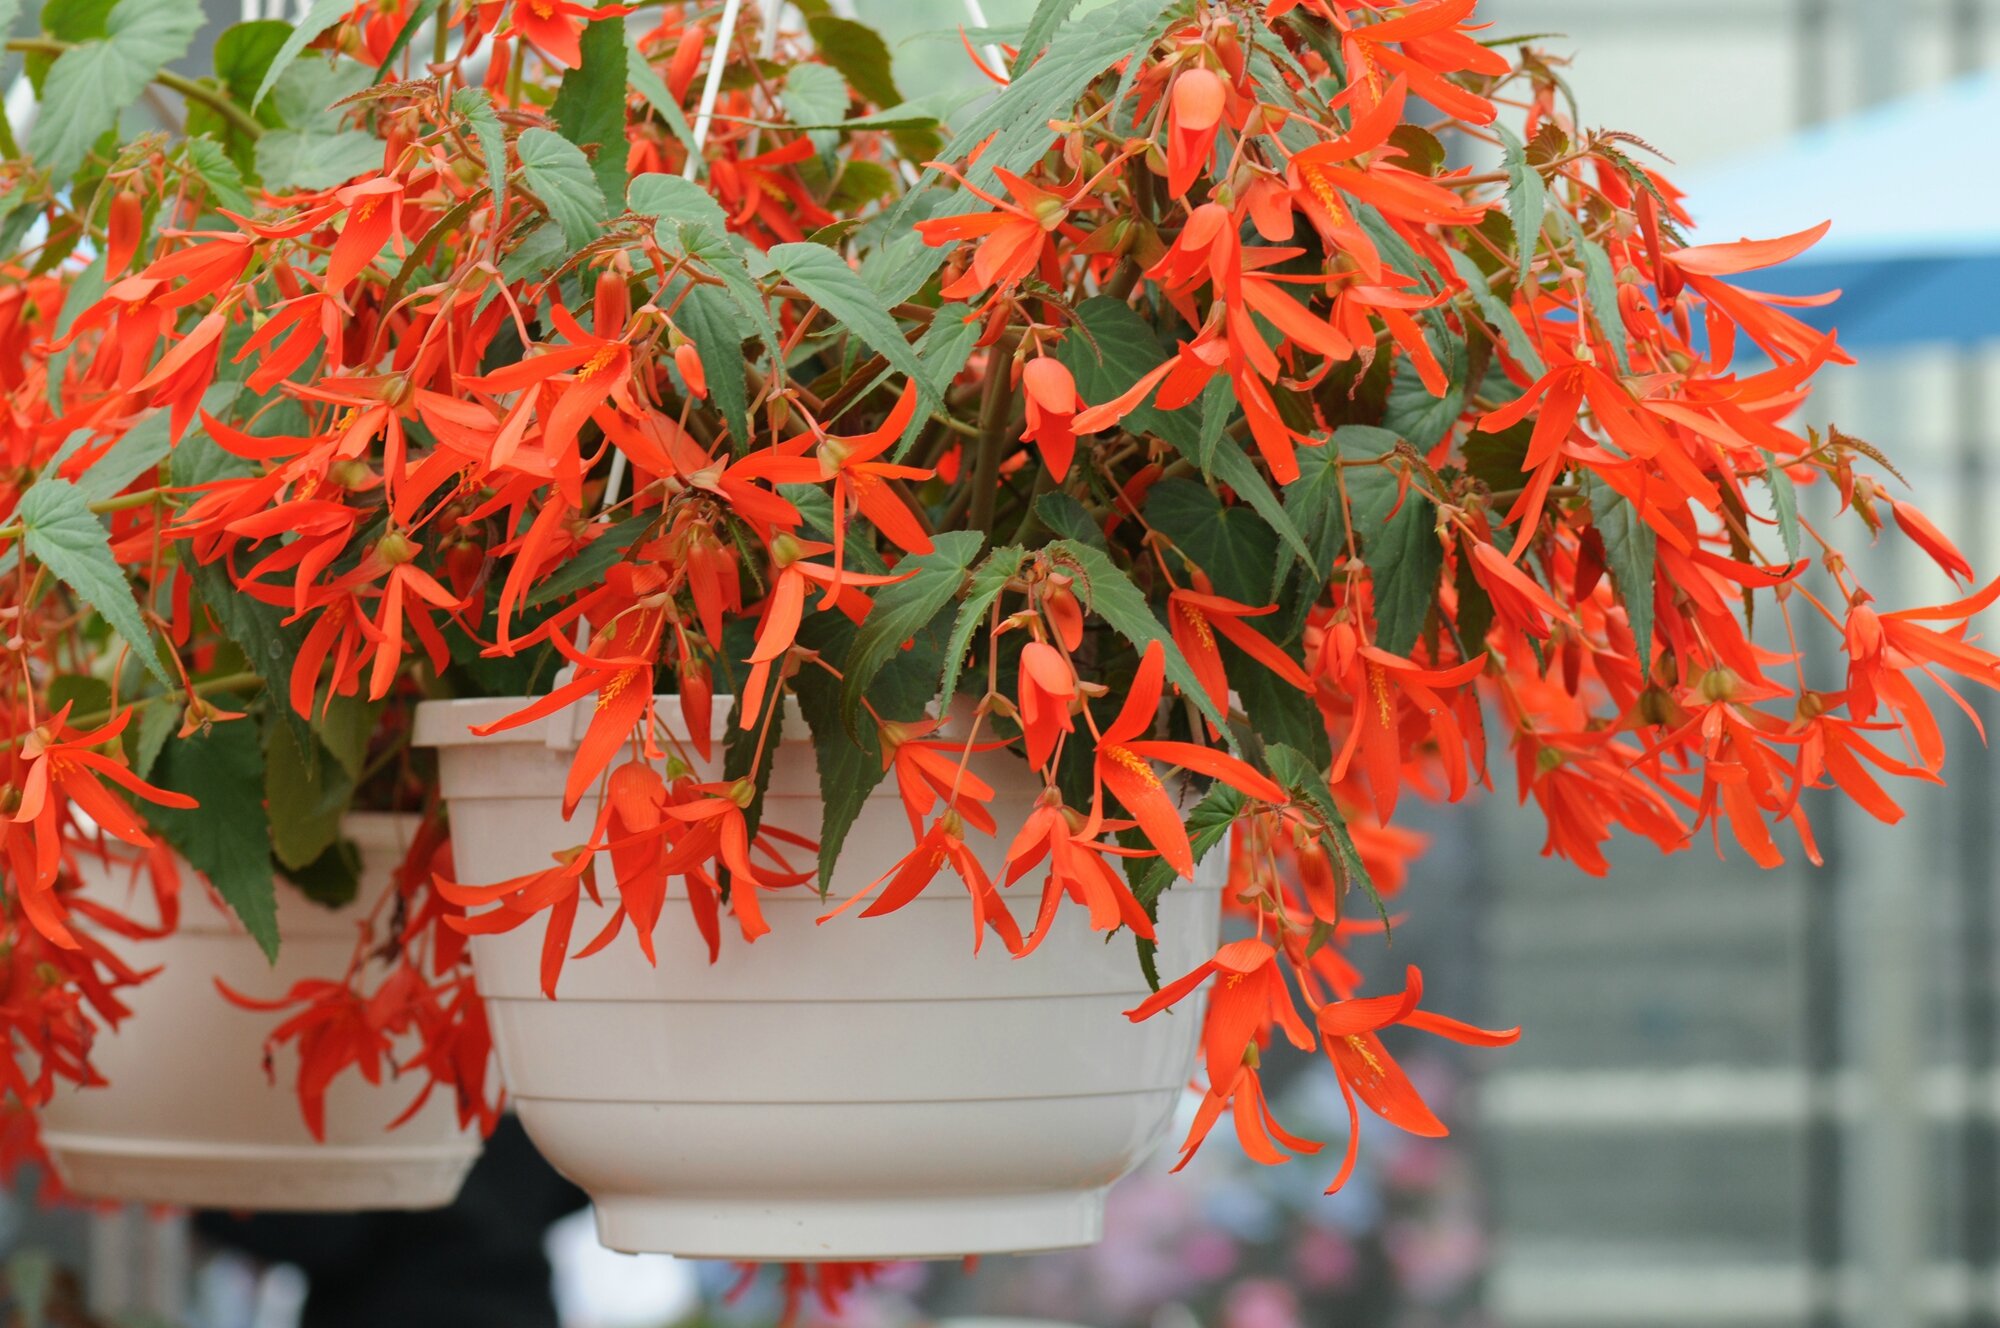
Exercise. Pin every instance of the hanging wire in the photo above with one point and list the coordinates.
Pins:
(725, 33)
(995, 57)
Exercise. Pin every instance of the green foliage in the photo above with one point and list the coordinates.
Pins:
(1114, 349)
(315, 150)
(244, 54)
(92, 83)
(1413, 412)
(1232, 544)
(858, 52)
(75, 20)
(228, 837)
(142, 447)
(904, 609)
(1494, 459)
(16, 217)
(849, 761)
(85, 291)
(1785, 504)
(1275, 710)
(299, 159)
(1218, 408)
(646, 81)
(1066, 517)
(556, 171)
(306, 794)
(1110, 594)
(583, 570)
(332, 879)
(1600, 288)
(1013, 126)
(1305, 780)
(61, 531)
(943, 350)
(688, 220)
(346, 724)
(988, 580)
(672, 201)
(1313, 501)
(814, 95)
(420, 14)
(739, 749)
(1496, 312)
(1117, 349)
(590, 105)
(1475, 605)
(1018, 118)
(145, 740)
(477, 108)
(709, 317)
(219, 172)
(1207, 823)
(536, 254)
(1042, 24)
(1629, 551)
(825, 278)
(83, 694)
(1527, 202)
(1396, 527)
(323, 15)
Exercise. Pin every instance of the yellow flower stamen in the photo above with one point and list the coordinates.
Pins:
(1322, 189)
(619, 682)
(597, 363)
(1199, 622)
(1132, 761)
(1378, 685)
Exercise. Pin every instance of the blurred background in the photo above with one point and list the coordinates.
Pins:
(1742, 1098)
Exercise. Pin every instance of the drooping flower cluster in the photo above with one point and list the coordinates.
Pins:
(1187, 421)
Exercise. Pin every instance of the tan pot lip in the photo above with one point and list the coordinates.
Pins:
(372, 829)
(450, 723)
(384, 835)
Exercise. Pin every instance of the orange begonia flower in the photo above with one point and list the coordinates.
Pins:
(1351, 1029)
(1124, 764)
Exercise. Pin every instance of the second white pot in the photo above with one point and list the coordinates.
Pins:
(865, 1089)
(189, 1115)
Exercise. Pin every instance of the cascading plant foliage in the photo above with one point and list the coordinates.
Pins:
(1292, 395)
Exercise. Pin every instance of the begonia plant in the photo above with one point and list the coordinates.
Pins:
(1255, 414)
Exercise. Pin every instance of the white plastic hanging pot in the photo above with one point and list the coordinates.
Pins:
(190, 1117)
(867, 1089)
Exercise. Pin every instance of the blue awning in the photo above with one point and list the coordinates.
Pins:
(1913, 190)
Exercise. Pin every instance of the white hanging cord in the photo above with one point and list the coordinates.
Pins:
(767, 39)
(21, 104)
(703, 119)
(845, 9)
(725, 33)
(994, 55)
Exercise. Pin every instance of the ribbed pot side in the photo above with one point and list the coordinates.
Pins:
(866, 1089)
(191, 1118)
